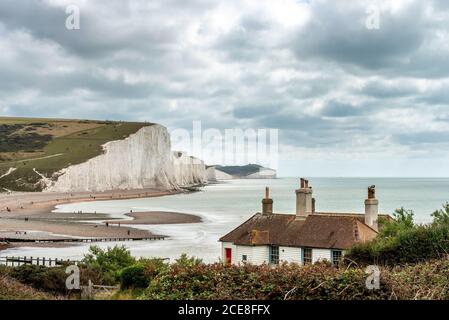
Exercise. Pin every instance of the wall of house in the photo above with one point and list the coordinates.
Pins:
(244, 250)
(290, 254)
(254, 254)
(321, 254)
(225, 245)
(260, 254)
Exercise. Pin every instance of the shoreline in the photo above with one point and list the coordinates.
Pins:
(33, 213)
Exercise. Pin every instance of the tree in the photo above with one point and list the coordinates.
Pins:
(403, 220)
(441, 217)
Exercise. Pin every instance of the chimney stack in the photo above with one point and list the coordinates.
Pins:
(267, 203)
(371, 208)
(304, 199)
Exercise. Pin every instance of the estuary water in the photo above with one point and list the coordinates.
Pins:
(225, 205)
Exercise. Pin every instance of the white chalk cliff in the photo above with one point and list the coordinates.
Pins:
(142, 160)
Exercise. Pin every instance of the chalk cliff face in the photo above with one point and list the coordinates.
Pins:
(188, 170)
(143, 160)
(214, 174)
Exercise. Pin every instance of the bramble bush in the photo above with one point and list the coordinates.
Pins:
(291, 281)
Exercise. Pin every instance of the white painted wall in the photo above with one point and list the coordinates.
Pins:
(225, 245)
(290, 254)
(260, 254)
(244, 250)
(321, 254)
(254, 254)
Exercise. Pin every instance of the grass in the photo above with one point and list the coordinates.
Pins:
(71, 142)
(11, 289)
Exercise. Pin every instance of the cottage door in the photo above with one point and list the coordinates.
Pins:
(228, 253)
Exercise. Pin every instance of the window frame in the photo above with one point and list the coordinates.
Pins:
(335, 262)
(273, 255)
(309, 259)
(244, 258)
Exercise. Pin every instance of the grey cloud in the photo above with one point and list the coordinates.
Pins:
(338, 109)
(382, 90)
(165, 61)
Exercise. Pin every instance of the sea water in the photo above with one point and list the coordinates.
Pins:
(224, 206)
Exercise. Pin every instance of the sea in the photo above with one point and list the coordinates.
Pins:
(225, 205)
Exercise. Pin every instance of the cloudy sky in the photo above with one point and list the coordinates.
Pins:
(351, 95)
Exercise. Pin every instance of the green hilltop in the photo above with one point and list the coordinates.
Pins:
(49, 145)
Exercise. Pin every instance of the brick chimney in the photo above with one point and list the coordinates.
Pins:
(267, 203)
(304, 199)
(371, 208)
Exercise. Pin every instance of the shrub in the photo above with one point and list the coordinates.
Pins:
(410, 246)
(441, 217)
(40, 277)
(107, 263)
(286, 281)
(403, 220)
(133, 277)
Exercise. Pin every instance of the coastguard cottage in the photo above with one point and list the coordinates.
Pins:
(305, 237)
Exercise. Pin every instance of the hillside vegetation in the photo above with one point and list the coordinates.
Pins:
(240, 171)
(189, 278)
(401, 241)
(34, 148)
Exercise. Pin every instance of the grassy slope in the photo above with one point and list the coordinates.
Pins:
(72, 142)
(11, 289)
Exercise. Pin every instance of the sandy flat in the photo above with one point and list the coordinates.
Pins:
(158, 217)
(75, 229)
(33, 212)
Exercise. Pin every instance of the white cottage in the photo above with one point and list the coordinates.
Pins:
(305, 237)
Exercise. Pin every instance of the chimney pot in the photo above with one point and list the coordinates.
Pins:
(303, 199)
(313, 205)
(371, 208)
(267, 203)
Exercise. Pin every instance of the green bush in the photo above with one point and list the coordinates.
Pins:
(441, 217)
(401, 241)
(40, 277)
(107, 264)
(133, 277)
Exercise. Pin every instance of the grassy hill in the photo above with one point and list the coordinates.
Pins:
(240, 171)
(28, 145)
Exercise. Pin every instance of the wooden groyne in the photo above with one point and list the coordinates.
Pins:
(68, 240)
(11, 261)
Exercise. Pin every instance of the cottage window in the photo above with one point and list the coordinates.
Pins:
(274, 255)
(336, 257)
(307, 256)
(244, 258)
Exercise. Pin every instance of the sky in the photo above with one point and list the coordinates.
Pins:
(354, 88)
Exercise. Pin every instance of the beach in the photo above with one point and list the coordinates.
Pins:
(30, 216)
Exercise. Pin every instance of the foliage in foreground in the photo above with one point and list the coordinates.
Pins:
(190, 278)
(11, 289)
(401, 241)
(290, 281)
